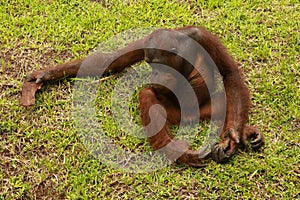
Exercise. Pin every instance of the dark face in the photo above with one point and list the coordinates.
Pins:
(161, 53)
(163, 47)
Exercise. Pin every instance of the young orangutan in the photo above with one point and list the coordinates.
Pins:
(189, 51)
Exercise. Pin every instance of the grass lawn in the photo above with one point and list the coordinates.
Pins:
(41, 153)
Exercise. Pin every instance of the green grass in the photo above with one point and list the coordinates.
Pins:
(41, 154)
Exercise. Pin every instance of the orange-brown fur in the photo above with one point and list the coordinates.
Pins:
(234, 132)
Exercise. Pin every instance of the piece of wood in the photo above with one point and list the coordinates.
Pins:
(28, 93)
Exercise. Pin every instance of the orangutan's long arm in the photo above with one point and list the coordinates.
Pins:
(93, 65)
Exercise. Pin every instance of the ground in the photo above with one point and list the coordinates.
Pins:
(41, 153)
